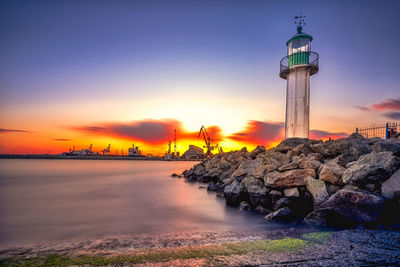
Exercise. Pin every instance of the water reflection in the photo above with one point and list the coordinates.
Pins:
(51, 200)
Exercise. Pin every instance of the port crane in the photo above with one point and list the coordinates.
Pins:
(207, 140)
(106, 151)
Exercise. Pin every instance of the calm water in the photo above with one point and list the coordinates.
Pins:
(52, 200)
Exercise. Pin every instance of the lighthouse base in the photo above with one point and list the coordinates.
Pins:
(297, 123)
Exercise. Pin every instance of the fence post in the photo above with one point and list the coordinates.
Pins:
(387, 131)
(357, 130)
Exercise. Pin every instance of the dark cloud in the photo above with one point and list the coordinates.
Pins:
(90, 129)
(260, 132)
(388, 104)
(2, 130)
(61, 139)
(148, 131)
(319, 134)
(392, 115)
(362, 108)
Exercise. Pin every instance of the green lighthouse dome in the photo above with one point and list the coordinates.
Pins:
(299, 35)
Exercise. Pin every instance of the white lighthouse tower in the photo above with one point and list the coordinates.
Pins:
(297, 67)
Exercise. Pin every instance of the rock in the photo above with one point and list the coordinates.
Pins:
(317, 189)
(202, 187)
(283, 214)
(303, 148)
(348, 208)
(318, 148)
(283, 202)
(348, 165)
(274, 196)
(288, 179)
(175, 175)
(332, 173)
(290, 143)
(389, 145)
(275, 193)
(291, 153)
(234, 194)
(308, 162)
(332, 189)
(199, 170)
(270, 161)
(288, 167)
(227, 181)
(391, 188)
(256, 151)
(247, 168)
(215, 187)
(371, 168)
(244, 206)
(291, 192)
(262, 210)
(256, 190)
(346, 149)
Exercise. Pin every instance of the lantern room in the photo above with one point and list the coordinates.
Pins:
(299, 47)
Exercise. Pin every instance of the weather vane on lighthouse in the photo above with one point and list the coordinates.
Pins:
(297, 67)
(299, 20)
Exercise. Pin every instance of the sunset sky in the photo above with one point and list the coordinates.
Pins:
(74, 73)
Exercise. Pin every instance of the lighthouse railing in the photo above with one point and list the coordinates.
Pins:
(313, 63)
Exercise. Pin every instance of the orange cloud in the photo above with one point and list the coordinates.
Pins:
(260, 133)
(153, 132)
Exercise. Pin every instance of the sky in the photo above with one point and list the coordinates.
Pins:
(74, 73)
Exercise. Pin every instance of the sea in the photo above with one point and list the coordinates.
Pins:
(43, 200)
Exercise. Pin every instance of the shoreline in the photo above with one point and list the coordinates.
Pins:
(227, 248)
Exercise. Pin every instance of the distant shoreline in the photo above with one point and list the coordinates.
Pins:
(98, 157)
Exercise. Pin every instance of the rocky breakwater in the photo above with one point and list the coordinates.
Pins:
(345, 183)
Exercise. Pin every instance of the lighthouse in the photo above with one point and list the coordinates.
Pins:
(296, 68)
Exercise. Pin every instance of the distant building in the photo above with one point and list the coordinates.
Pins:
(194, 153)
(134, 151)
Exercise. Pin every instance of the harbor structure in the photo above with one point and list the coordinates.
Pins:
(297, 68)
(194, 153)
(134, 151)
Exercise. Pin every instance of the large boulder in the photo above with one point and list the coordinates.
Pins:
(256, 151)
(317, 189)
(270, 161)
(234, 194)
(348, 208)
(392, 145)
(371, 168)
(282, 215)
(332, 172)
(247, 168)
(288, 179)
(391, 188)
(256, 190)
(307, 162)
(290, 144)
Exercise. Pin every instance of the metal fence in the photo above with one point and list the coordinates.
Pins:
(384, 131)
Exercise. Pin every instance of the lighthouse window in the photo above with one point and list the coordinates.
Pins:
(299, 45)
